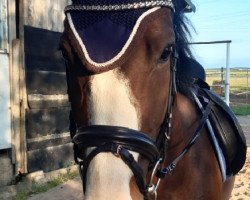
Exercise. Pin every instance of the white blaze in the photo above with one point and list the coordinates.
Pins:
(111, 101)
(108, 177)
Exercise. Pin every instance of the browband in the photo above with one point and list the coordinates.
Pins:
(120, 7)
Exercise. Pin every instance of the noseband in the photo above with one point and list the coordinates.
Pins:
(119, 141)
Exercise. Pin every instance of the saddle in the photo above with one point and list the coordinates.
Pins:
(226, 134)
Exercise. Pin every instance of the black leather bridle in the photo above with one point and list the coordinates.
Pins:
(120, 141)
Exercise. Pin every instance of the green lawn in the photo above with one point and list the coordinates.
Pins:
(239, 88)
(241, 109)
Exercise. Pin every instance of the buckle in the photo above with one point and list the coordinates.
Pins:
(152, 187)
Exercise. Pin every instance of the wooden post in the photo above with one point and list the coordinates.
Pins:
(22, 154)
(14, 59)
(15, 102)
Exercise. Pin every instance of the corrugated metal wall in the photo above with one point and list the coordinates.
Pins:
(48, 140)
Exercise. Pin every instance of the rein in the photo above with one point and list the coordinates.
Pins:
(163, 172)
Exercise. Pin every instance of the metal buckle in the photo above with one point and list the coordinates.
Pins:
(118, 149)
(151, 187)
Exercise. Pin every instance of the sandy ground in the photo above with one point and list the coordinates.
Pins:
(245, 124)
(72, 190)
(242, 183)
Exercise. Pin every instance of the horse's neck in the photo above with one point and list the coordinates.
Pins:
(198, 165)
(185, 118)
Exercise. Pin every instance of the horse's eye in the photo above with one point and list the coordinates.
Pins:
(166, 53)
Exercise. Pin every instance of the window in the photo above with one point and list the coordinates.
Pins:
(3, 26)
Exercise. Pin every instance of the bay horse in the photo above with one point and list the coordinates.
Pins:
(132, 111)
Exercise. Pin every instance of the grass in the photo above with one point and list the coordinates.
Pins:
(241, 109)
(237, 84)
(237, 77)
(239, 88)
(37, 188)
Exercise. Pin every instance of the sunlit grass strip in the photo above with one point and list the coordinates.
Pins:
(37, 188)
(241, 110)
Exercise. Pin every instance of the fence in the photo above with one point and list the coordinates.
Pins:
(239, 84)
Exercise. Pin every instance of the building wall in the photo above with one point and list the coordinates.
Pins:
(6, 169)
(3, 25)
(46, 116)
(5, 134)
(45, 14)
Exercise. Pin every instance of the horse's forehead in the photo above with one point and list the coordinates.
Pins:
(105, 39)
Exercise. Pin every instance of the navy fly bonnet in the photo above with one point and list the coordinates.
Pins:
(105, 31)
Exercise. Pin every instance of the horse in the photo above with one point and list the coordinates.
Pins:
(136, 128)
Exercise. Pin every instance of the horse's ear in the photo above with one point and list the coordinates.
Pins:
(188, 6)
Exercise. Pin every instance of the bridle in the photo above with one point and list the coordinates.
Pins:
(120, 140)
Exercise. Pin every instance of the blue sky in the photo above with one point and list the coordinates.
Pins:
(222, 20)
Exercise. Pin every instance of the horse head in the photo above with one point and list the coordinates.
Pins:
(122, 58)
